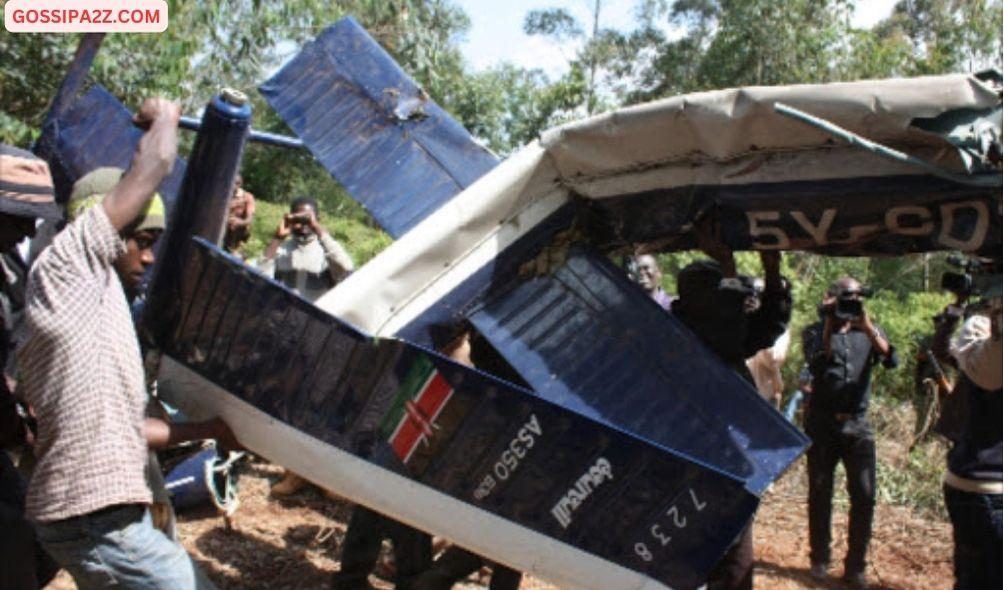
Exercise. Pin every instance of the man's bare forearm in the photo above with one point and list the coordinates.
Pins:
(160, 433)
(879, 343)
(153, 160)
(272, 249)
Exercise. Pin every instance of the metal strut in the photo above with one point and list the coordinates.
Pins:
(982, 180)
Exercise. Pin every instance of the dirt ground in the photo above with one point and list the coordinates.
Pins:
(294, 543)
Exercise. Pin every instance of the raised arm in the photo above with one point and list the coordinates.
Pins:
(245, 218)
(152, 162)
(770, 320)
(339, 260)
(248, 209)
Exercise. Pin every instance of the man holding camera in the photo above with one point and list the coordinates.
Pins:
(716, 305)
(972, 420)
(303, 256)
(841, 350)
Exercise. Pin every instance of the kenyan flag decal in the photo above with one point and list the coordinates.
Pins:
(412, 417)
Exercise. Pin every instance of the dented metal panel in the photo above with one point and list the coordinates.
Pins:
(95, 130)
(373, 128)
(585, 338)
(587, 482)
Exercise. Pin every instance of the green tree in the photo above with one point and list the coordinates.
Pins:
(602, 48)
(728, 43)
(507, 106)
(946, 35)
(211, 45)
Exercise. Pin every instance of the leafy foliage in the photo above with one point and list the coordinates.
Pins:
(507, 107)
(553, 22)
(672, 47)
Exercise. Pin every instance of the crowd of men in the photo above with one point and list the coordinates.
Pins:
(86, 493)
(741, 319)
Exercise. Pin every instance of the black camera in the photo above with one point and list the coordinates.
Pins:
(848, 309)
(957, 283)
(978, 277)
(848, 306)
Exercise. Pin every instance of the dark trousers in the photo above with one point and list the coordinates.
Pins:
(361, 549)
(852, 443)
(455, 564)
(976, 530)
(24, 565)
(734, 571)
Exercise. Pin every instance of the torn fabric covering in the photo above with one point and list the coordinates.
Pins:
(642, 173)
(720, 126)
(777, 183)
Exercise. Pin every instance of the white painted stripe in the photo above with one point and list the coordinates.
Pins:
(397, 496)
(465, 234)
(180, 482)
(462, 268)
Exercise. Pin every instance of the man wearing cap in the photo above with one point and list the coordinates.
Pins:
(712, 302)
(84, 376)
(25, 196)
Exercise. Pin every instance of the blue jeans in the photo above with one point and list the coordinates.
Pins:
(976, 529)
(118, 547)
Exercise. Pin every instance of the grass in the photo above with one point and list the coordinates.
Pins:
(907, 477)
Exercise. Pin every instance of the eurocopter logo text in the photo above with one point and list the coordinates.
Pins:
(85, 16)
(600, 472)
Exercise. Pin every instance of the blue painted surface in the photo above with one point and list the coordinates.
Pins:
(271, 348)
(187, 481)
(96, 130)
(76, 75)
(202, 208)
(494, 277)
(373, 128)
(588, 339)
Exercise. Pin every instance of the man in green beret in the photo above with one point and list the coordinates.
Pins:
(90, 190)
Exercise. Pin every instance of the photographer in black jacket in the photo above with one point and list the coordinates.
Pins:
(972, 420)
(841, 350)
(714, 303)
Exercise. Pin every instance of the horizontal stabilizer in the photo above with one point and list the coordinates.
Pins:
(373, 128)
